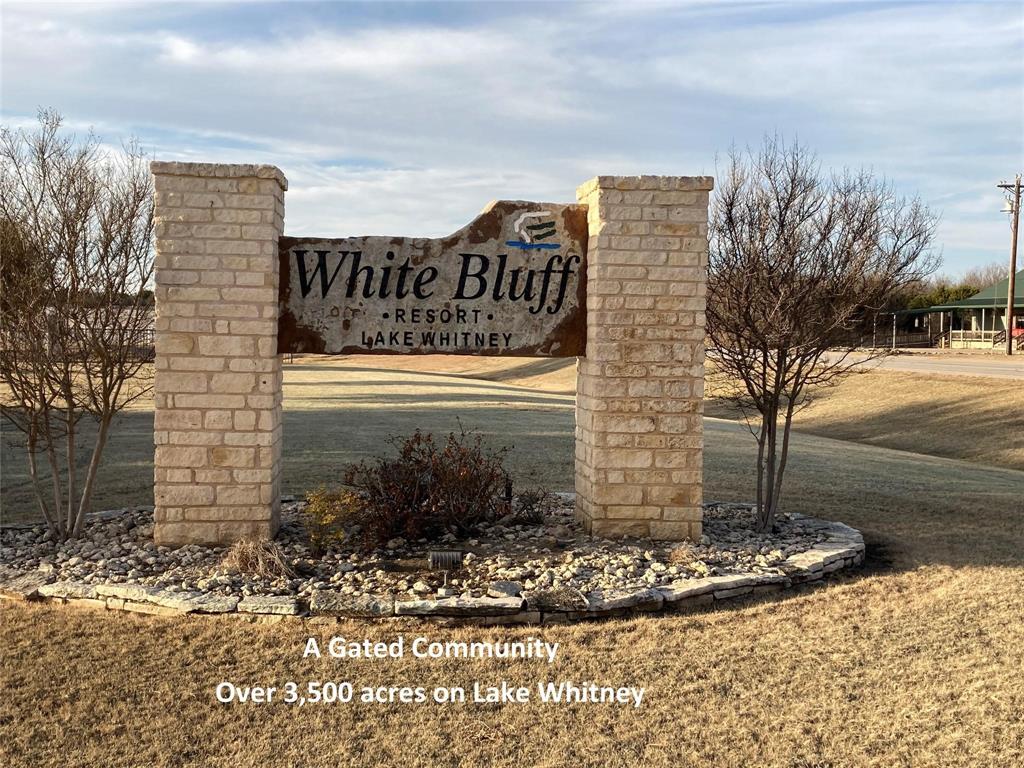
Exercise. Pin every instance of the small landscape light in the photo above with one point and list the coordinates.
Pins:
(445, 559)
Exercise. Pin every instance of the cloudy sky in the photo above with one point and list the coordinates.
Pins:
(406, 118)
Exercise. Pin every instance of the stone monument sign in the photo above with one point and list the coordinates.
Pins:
(616, 279)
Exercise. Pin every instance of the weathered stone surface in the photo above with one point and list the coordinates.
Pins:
(218, 376)
(732, 581)
(280, 606)
(807, 561)
(67, 589)
(640, 389)
(134, 592)
(219, 170)
(725, 594)
(23, 587)
(508, 283)
(686, 588)
(504, 589)
(196, 602)
(328, 602)
(641, 600)
(90, 603)
(149, 608)
(842, 529)
(564, 599)
(832, 552)
(460, 606)
(561, 582)
(764, 579)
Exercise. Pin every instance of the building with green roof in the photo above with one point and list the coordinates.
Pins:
(979, 321)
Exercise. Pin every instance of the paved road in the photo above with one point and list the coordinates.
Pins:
(956, 365)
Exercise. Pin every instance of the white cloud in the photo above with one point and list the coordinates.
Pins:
(378, 53)
(408, 120)
(179, 50)
(873, 62)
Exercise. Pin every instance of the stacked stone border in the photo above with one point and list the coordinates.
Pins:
(842, 548)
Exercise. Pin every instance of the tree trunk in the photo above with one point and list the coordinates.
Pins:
(783, 457)
(766, 519)
(762, 436)
(58, 502)
(33, 473)
(766, 516)
(90, 477)
(70, 460)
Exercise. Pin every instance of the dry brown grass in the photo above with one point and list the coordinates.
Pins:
(260, 559)
(914, 661)
(886, 668)
(977, 419)
(959, 417)
(551, 374)
(339, 410)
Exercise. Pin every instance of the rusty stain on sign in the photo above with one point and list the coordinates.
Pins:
(511, 282)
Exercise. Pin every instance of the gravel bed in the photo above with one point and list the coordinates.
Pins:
(550, 561)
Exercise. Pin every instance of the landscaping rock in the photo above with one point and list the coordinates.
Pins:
(134, 592)
(641, 600)
(561, 599)
(23, 587)
(326, 602)
(460, 606)
(196, 602)
(116, 562)
(504, 589)
(687, 588)
(67, 589)
(280, 606)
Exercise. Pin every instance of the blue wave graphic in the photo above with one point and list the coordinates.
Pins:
(532, 246)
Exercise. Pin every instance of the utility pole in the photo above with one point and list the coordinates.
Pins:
(1014, 190)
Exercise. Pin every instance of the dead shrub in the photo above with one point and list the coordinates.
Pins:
(682, 554)
(326, 515)
(429, 489)
(559, 599)
(259, 559)
(533, 505)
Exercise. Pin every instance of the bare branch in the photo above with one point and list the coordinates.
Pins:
(76, 229)
(797, 260)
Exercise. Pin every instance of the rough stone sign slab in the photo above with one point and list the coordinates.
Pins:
(511, 282)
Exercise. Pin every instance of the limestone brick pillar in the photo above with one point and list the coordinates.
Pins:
(640, 389)
(218, 374)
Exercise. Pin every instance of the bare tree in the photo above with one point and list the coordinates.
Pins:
(796, 259)
(984, 276)
(76, 226)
